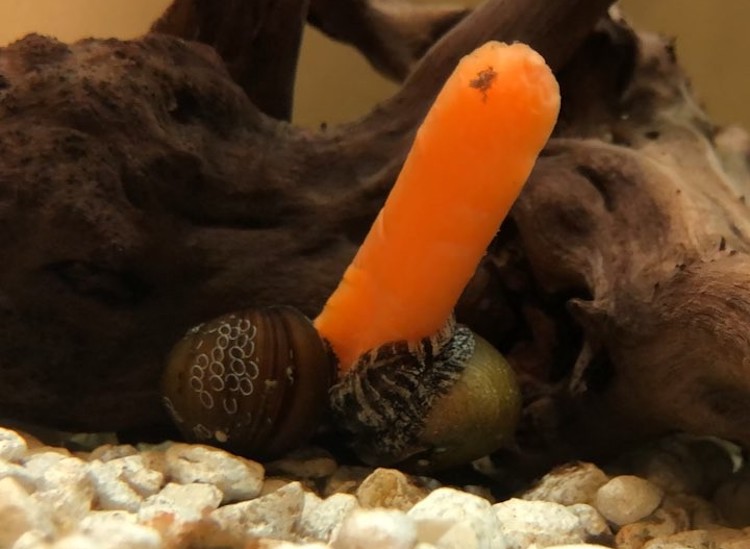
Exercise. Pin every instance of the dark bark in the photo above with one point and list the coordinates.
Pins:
(141, 192)
(259, 41)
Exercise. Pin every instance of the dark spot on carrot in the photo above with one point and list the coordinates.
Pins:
(484, 81)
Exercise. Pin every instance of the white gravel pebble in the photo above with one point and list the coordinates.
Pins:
(12, 445)
(444, 534)
(19, 513)
(569, 484)
(190, 501)
(376, 529)
(545, 523)
(448, 504)
(112, 491)
(40, 462)
(66, 505)
(239, 479)
(272, 516)
(320, 518)
(592, 521)
(626, 499)
(19, 473)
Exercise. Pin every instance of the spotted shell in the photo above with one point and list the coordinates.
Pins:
(253, 382)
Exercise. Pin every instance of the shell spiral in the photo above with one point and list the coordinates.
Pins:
(254, 382)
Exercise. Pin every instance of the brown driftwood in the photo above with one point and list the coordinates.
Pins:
(142, 192)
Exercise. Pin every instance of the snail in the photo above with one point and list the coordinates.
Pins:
(254, 382)
(258, 382)
(447, 400)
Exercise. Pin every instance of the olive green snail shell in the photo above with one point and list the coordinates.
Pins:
(254, 382)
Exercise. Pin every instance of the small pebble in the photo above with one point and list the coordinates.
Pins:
(627, 499)
(545, 523)
(239, 479)
(459, 535)
(388, 488)
(660, 524)
(569, 484)
(321, 518)
(453, 505)
(592, 521)
(12, 445)
(190, 499)
(376, 529)
(19, 513)
(272, 516)
(19, 473)
(113, 491)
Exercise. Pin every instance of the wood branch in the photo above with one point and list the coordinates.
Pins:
(392, 34)
(258, 40)
(636, 223)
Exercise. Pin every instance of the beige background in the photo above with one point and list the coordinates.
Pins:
(713, 42)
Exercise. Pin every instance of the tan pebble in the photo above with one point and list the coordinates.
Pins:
(626, 498)
(661, 523)
(569, 484)
(719, 538)
(388, 488)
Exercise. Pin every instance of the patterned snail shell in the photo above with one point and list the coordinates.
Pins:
(253, 382)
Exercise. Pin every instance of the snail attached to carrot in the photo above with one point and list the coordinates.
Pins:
(405, 380)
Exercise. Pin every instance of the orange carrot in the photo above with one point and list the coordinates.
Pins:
(468, 163)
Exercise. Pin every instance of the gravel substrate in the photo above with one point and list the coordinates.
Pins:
(683, 493)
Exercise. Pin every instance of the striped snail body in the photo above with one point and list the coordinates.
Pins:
(444, 401)
(254, 382)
